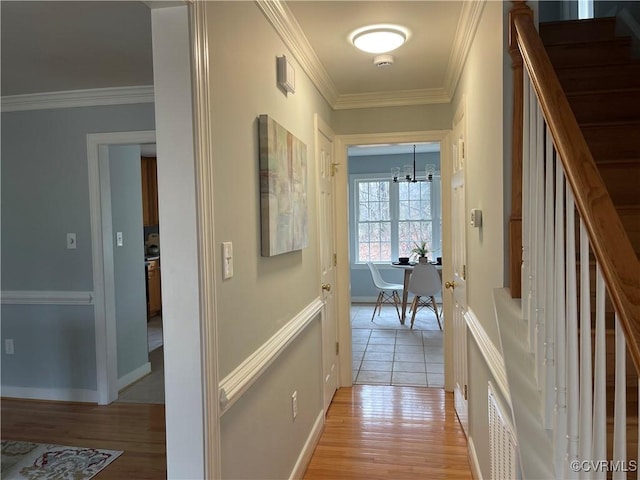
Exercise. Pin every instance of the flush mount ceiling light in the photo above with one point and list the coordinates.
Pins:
(379, 38)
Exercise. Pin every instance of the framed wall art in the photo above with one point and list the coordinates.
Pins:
(283, 189)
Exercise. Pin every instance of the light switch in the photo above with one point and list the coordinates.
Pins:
(227, 260)
(119, 239)
(476, 217)
(71, 240)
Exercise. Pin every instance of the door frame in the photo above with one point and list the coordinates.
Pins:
(102, 256)
(341, 144)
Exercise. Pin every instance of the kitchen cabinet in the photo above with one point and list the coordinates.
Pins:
(154, 299)
(149, 191)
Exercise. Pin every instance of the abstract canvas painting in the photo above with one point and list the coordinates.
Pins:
(283, 189)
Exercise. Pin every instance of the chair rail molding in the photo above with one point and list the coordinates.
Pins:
(236, 383)
(38, 297)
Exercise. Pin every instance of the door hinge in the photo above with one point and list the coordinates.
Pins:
(462, 149)
(335, 259)
(464, 272)
(337, 348)
(466, 395)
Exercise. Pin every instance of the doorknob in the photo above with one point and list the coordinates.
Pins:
(326, 287)
(450, 285)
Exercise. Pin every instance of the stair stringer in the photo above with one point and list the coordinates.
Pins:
(534, 441)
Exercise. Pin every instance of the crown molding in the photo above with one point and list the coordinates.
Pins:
(78, 98)
(466, 30)
(287, 27)
(392, 99)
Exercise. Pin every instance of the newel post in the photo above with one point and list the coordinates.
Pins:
(515, 221)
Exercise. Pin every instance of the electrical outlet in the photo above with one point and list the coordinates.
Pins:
(119, 239)
(71, 240)
(8, 346)
(294, 404)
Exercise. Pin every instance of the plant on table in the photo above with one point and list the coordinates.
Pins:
(421, 250)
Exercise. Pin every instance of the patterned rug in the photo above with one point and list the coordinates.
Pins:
(26, 460)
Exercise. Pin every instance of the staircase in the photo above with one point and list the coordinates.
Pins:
(602, 84)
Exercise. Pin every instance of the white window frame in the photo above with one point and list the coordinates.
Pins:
(394, 208)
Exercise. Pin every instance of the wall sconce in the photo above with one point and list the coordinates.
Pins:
(409, 172)
(286, 75)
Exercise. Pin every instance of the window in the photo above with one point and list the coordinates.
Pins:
(389, 218)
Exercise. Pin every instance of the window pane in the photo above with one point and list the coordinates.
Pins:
(392, 218)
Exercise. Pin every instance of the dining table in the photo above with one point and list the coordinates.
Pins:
(408, 269)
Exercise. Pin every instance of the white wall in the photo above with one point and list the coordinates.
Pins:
(178, 234)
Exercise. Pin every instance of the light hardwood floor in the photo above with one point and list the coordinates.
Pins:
(372, 432)
(383, 432)
(137, 429)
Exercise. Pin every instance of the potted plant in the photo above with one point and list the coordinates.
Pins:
(421, 251)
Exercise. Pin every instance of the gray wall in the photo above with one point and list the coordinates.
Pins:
(362, 287)
(45, 194)
(128, 260)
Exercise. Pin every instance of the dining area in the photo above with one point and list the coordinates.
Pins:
(395, 342)
(422, 279)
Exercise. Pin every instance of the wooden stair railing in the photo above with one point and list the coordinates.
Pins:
(607, 235)
(579, 272)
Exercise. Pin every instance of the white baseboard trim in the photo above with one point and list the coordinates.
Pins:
(244, 375)
(309, 446)
(473, 460)
(490, 352)
(53, 394)
(134, 375)
(78, 98)
(364, 300)
(35, 297)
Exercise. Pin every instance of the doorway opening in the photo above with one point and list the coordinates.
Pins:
(387, 220)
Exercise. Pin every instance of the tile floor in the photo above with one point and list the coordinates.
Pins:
(388, 353)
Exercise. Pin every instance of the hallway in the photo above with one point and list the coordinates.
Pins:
(384, 432)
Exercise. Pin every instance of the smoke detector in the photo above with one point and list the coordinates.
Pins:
(383, 60)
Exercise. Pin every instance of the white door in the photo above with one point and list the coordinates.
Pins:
(457, 285)
(326, 215)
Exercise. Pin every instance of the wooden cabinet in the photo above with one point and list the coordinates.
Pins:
(154, 305)
(149, 191)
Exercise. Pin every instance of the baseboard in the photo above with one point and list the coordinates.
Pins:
(371, 300)
(134, 376)
(52, 394)
(307, 451)
(473, 460)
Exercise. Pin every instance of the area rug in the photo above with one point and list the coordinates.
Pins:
(26, 460)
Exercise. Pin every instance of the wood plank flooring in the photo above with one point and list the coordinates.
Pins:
(383, 432)
(137, 429)
(371, 432)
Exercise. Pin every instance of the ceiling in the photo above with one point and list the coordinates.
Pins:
(52, 46)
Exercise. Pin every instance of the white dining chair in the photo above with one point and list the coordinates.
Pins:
(387, 292)
(425, 282)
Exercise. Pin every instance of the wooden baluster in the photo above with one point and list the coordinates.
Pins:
(586, 379)
(573, 385)
(549, 333)
(620, 408)
(560, 427)
(599, 450)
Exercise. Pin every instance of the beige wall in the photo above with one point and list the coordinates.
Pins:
(482, 88)
(259, 438)
(264, 293)
(392, 119)
(484, 85)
